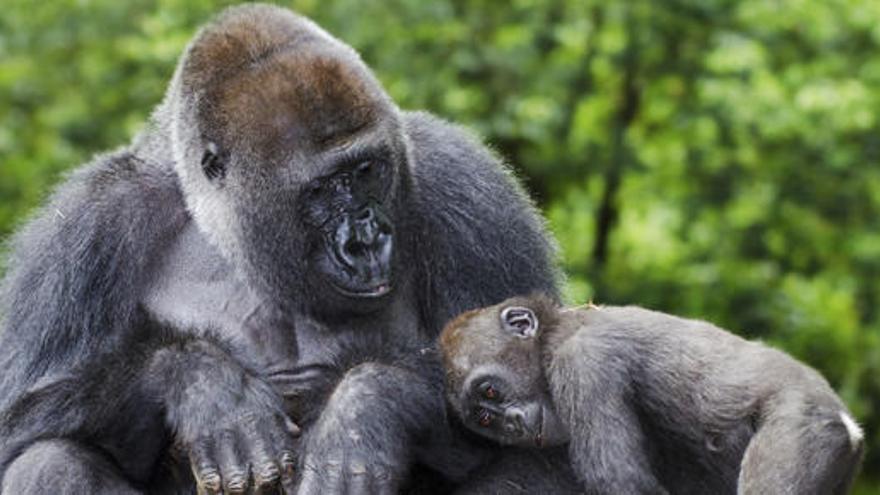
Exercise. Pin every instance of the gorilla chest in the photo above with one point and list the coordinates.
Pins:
(195, 290)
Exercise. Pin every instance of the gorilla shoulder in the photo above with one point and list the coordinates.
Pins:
(463, 192)
(452, 159)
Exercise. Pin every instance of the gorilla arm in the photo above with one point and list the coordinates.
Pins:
(226, 421)
(608, 448)
(372, 422)
(73, 320)
(77, 270)
(70, 295)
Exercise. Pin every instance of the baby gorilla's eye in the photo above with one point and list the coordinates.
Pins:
(484, 417)
(490, 392)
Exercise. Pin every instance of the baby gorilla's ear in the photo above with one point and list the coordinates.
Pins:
(520, 322)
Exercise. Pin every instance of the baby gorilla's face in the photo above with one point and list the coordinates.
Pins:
(494, 408)
(494, 374)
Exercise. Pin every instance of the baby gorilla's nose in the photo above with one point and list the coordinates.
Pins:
(514, 422)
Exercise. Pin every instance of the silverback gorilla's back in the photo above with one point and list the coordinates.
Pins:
(247, 296)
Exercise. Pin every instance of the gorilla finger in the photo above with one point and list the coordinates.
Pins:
(287, 462)
(288, 486)
(383, 487)
(285, 443)
(292, 427)
(334, 478)
(205, 469)
(201, 490)
(232, 465)
(266, 476)
(358, 479)
(264, 468)
(384, 483)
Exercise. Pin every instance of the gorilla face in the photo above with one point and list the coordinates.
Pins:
(299, 176)
(497, 405)
(494, 373)
(348, 212)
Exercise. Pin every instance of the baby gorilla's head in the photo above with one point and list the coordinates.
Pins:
(494, 372)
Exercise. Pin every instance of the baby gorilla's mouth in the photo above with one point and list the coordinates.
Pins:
(539, 437)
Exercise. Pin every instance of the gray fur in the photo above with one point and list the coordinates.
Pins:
(169, 320)
(653, 403)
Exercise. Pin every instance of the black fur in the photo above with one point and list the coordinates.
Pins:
(161, 309)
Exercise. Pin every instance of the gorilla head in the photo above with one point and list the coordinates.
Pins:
(271, 115)
(495, 372)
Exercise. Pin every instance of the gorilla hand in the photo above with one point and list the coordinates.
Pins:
(231, 424)
(359, 445)
(246, 451)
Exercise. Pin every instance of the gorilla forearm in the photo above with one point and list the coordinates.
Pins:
(369, 426)
(183, 385)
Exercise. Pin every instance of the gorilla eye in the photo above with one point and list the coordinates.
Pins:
(365, 169)
(490, 392)
(212, 164)
(314, 187)
(370, 171)
(484, 417)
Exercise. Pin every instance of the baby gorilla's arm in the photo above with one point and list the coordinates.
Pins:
(608, 448)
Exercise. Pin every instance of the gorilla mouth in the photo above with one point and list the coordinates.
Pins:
(361, 247)
(370, 292)
(539, 437)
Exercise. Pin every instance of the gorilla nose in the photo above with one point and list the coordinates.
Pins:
(515, 422)
(363, 242)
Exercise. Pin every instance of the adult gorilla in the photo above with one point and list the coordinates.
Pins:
(282, 242)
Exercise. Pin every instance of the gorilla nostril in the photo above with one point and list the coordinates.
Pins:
(515, 422)
(355, 249)
(364, 215)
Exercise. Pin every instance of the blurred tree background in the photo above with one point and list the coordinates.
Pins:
(712, 158)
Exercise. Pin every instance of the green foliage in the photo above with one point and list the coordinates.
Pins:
(712, 158)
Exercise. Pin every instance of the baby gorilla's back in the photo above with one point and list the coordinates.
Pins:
(704, 402)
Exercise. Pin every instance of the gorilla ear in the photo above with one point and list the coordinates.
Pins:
(213, 165)
(520, 322)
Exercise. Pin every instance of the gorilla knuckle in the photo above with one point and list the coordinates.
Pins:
(237, 482)
(382, 474)
(287, 461)
(267, 474)
(210, 479)
(357, 468)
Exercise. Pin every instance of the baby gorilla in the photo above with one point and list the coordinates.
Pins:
(648, 402)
